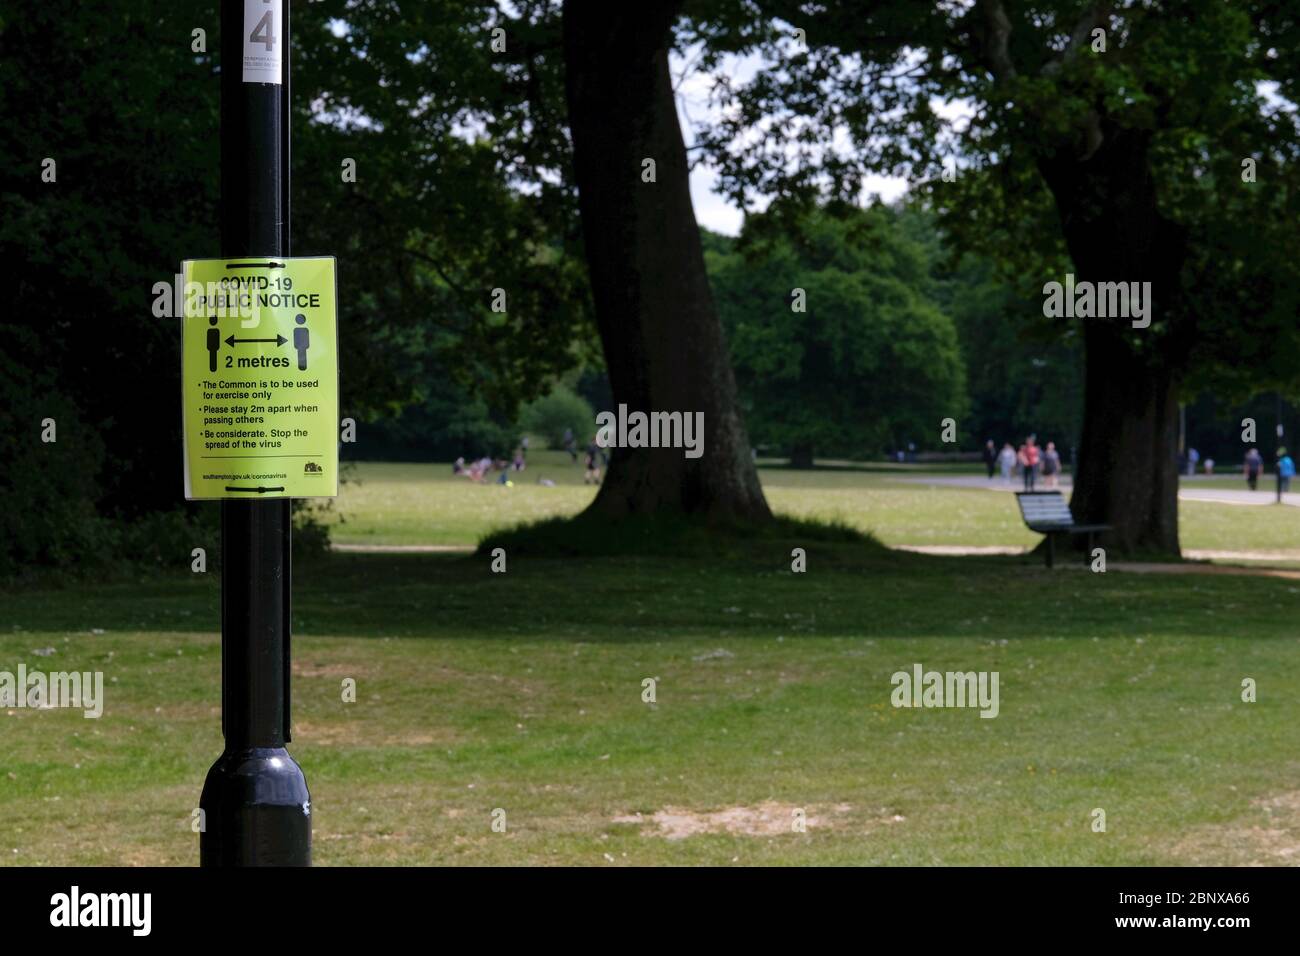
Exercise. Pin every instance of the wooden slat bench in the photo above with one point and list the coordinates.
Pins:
(1047, 513)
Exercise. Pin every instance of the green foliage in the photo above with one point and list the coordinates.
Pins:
(47, 487)
(550, 415)
(1186, 85)
(872, 363)
(114, 95)
(167, 539)
(447, 420)
(49, 522)
(434, 430)
(311, 528)
(461, 188)
(1022, 374)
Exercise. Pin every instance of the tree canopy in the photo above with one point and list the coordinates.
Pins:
(838, 345)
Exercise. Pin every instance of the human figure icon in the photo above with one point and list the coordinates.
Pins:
(214, 343)
(301, 340)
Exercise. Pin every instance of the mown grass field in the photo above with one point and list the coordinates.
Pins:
(424, 504)
(523, 692)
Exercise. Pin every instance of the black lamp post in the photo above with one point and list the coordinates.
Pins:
(256, 808)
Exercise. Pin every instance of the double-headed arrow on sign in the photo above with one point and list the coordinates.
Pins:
(278, 340)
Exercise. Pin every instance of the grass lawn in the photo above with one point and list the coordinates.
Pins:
(399, 504)
(523, 691)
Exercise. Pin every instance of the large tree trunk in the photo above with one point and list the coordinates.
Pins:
(1127, 472)
(1126, 475)
(663, 343)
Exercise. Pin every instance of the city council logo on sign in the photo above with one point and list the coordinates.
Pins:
(259, 381)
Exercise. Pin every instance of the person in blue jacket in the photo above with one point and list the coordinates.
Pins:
(1285, 472)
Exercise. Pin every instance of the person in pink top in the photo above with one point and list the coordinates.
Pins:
(1027, 456)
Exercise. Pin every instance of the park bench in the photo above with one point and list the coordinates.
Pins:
(1047, 513)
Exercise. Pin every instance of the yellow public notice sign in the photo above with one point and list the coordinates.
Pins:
(259, 378)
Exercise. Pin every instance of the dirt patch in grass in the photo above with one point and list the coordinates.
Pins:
(365, 734)
(317, 669)
(1267, 836)
(769, 818)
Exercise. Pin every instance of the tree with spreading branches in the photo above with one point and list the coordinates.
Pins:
(1121, 142)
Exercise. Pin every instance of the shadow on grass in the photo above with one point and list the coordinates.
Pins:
(672, 535)
(734, 588)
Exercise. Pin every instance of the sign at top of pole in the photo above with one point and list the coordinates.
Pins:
(263, 42)
(260, 378)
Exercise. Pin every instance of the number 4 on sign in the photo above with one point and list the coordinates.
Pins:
(263, 26)
(264, 32)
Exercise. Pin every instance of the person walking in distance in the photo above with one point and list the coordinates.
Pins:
(1254, 465)
(1028, 458)
(1285, 472)
(1007, 461)
(592, 475)
(990, 458)
(1051, 465)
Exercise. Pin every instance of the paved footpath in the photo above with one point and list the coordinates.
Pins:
(1141, 567)
(1189, 491)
